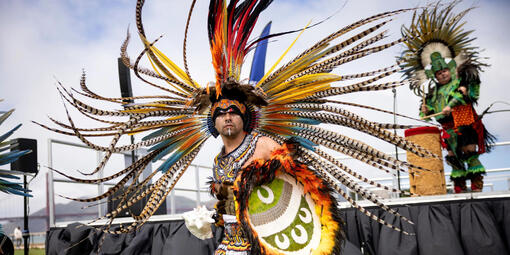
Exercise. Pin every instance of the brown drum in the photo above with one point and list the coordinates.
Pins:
(426, 182)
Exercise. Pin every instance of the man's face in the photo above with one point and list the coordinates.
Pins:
(443, 76)
(229, 124)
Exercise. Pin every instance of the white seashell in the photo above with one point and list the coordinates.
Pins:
(199, 222)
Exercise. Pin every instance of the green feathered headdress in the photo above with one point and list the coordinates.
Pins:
(437, 63)
(436, 40)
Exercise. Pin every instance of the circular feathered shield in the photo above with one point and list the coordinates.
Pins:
(291, 212)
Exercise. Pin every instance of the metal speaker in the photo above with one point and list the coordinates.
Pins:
(26, 163)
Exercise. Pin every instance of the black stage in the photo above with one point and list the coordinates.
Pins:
(477, 223)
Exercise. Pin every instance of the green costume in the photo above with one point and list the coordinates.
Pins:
(437, 42)
(457, 136)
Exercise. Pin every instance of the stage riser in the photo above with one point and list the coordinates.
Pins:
(476, 226)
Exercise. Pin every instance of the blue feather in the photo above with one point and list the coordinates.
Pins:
(10, 176)
(9, 133)
(163, 153)
(306, 143)
(13, 191)
(308, 121)
(259, 57)
(170, 161)
(160, 145)
(12, 156)
(8, 183)
(156, 133)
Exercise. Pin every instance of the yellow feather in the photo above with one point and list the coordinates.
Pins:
(298, 90)
(149, 56)
(294, 68)
(177, 117)
(168, 62)
(302, 80)
(301, 94)
(145, 110)
(169, 75)
(156, 105)
(283, 55)
(178, 71)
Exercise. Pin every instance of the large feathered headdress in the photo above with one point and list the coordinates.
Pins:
(290, 100)
(437, 40)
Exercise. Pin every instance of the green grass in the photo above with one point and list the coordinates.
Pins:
(33, 251)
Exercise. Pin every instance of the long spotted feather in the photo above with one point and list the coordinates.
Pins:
(332, 37)
(320, 165)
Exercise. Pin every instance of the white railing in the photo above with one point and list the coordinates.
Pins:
(100, 187)
(404, 179)
(196, 187)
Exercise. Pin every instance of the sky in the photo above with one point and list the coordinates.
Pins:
(47, 41)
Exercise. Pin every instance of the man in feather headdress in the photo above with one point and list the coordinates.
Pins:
(453, 97)
(231, 118)
(444, 58)
(270, 201)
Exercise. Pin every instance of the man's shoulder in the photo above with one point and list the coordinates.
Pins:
(264, 147)
(265, 142)
(265, 138)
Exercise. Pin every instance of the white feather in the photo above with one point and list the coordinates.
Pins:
(461, 58)
(434, 47)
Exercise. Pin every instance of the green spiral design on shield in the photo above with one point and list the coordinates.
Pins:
(298, 234)
(256, 203)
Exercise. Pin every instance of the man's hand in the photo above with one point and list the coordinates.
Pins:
(463, 90)
(447, 110)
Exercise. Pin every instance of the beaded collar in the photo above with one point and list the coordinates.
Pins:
(225, 167)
